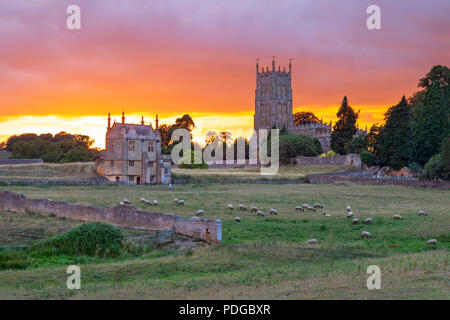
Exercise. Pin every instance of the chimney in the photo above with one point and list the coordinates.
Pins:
(123, 117)
(109, 120)
(142, 120)
(156, 123)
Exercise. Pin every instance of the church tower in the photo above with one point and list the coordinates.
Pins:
(273, 98)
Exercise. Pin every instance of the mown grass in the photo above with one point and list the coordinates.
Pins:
(266, 257)
(49, 171)
(284, 173)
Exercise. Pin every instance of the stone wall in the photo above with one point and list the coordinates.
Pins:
(347, 160)
(20, 161)
(122, 216)
(324, 179)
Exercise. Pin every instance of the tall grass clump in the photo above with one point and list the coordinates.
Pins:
(91, 238)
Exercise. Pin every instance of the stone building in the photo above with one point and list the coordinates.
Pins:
(273, 105)
(132, 154)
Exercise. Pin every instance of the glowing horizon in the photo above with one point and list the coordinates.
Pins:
(198, 57)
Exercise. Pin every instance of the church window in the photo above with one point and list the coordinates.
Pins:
(130, 178)
(131, 145)
(131, 163)
(151, 146)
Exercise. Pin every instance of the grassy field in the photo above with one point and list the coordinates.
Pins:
(260, 257)
(49, 171)
(284, 173)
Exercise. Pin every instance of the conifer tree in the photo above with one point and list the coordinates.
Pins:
(345, 127)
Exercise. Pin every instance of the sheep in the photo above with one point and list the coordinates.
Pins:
(368, 220)
(349, 215)
(237, 219)
(259, 213)
(326, 215)
(305, 206)
(242, 207)
(355, 221)
(349, 208)
(299, 208)
(175, 200)
(195, 218)
(432, 241)
(318, 205)
(422, 213)
(230, 206)
(312, 241)
(253, 209)
(148, 202)
(121, 203)
(180, 202)
(143, 200)
(311, 208)
(126, 201)
(49, 199)
(200, 212)
(155, 202)
(273, 211)
(397, 217)
(366, 234)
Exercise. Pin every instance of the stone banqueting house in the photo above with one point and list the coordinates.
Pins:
(273, 106)
(132, 154)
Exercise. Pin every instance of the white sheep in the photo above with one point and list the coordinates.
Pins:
(349, 215)
(318, 205)
(299, 208)
(432, 241)
(422, 213)
(122, 203)
(273, 211)
(305, 206)
(366, 234)
(242, 207)
(155, 202)
(349, 208)
(126, 201)
(230, 206)
(355, 221)
(311, 208)
(180, 202)
(253, 209)
(143, 200)
(175, 200)
(312, 241)
(200, 212)
(49, 199)
(397, 217)
(237, 219)
(148, 202)
(326, 215)
(195, 218)
(368, 220)
(259, 213)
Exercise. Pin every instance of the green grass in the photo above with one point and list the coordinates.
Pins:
(261, 257)
(284, 173)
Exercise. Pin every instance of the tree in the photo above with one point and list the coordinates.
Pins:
(396, 137)
(358, 144)
(165, 132)
(292, 145)
(367, 158)
(345, 127)
(445, 154)
(432, 124)
(305, 118)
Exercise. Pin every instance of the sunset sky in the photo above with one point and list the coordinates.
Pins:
(198, 57)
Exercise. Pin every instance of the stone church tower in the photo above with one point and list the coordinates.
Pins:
(273, 106)
(273, 98)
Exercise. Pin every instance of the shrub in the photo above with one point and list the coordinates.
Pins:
(292, 145)
(434, 169)
(367, 158)
(92, 238)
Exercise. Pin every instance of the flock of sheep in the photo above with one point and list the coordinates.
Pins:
(272, 211)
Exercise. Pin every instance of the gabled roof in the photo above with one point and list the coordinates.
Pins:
(131, 131)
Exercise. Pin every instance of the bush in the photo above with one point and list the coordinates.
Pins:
(367, 158)
(292, 145)
(434, 169)
(330, 153)
(92, 238)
